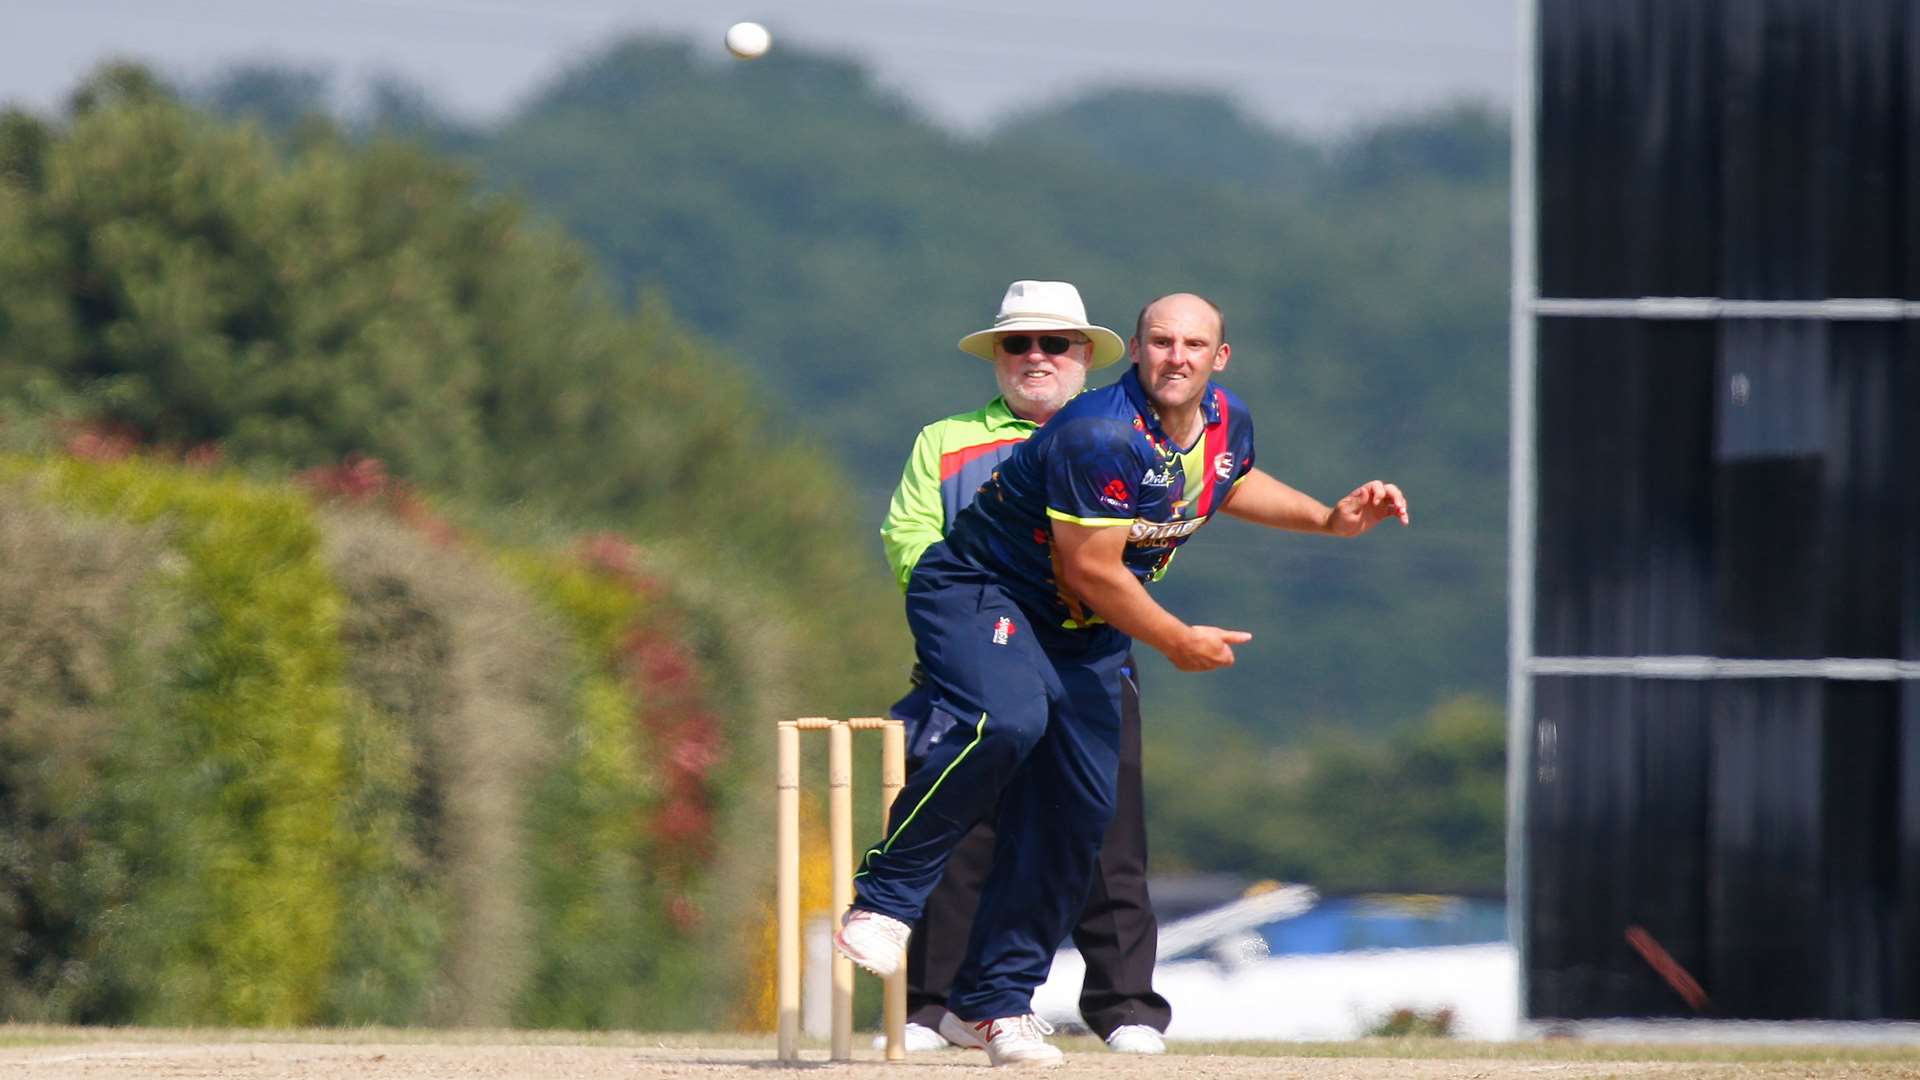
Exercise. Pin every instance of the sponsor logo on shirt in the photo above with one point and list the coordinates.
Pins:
(1115, 494)
(1223, 465)
(1163, 478)
(1003, 629)
(1151, 532)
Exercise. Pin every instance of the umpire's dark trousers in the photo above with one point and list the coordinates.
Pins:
(1117, 933)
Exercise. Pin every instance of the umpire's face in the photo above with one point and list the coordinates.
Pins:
(1177, 349)
(1040, 370)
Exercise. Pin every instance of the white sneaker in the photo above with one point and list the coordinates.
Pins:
(1136, 1039)
(919, 1039)
(874, 941)
(960, 1033)
(1010, 1040)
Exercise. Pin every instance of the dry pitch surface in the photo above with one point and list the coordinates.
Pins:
(30, 1053)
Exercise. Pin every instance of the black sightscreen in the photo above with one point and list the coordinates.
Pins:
(1744, 488)
(1752, 149)
(1764, 832)
(1737, 488)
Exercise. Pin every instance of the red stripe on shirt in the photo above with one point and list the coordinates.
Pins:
(952, 461)
(1216, 443)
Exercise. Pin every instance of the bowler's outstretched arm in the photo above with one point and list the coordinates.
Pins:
(1263, 500)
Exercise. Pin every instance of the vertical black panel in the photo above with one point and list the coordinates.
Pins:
(1864, 149)
(1758, 507)
(1629, 176)
(1767, 561)
(1859, 839)
(1904, 451)
(1619, 836)
(1582, 46)
(1903, 946)
(1905, 152)
(1869, 493)
(1764, 908)
(1625, 505)
(1765, 832)
(1771, 428)
(1674, 841)
(1759, 149)
(1776, 89)
(1577, 843)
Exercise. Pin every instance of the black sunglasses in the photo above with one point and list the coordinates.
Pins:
(1051, 344)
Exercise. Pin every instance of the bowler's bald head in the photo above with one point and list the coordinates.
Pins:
(1181, 300)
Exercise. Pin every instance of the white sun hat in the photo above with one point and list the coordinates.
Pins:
(1042, 306)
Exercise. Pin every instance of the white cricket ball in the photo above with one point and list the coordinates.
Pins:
(748, 40)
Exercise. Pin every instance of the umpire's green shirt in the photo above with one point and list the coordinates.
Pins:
(950, 460)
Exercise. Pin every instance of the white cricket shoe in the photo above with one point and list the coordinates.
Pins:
(1010, 1040)
(920, 1039)
(874, 941)
(1136, 1039)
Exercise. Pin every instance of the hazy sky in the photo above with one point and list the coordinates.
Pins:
(1319, 65)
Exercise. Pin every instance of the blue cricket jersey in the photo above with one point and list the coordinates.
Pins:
(1103, 460)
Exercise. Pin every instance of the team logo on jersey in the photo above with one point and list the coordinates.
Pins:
(1003, 629)
(1223, 465)
(1163, 478)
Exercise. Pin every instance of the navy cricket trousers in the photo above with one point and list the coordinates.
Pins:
(1038, 747)
(1117, 933)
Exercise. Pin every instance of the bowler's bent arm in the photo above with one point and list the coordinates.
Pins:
(1092, 571)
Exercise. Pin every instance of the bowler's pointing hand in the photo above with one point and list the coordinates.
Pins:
(1203, 648)
(1370, 504)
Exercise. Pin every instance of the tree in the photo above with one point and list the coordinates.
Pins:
(192, 281)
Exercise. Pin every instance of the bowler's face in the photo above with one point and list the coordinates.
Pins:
(1177, 350)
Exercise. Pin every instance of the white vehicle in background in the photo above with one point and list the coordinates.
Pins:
(1282, 963)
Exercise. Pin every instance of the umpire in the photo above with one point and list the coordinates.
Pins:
(1041, 347)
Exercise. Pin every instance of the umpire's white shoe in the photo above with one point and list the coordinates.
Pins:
(874, 941)
(1136, 1039)
(1010, 1040)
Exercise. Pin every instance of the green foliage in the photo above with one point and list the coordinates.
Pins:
(23, 149)
(243, 817)
(237, 791)
(193, 282)
(474, 678)
(387, 960)
(1176, 135)
(1457, 143)
(80, 639)
(1422, 809)
(600, 927)
(636, 829)
(279, 99)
